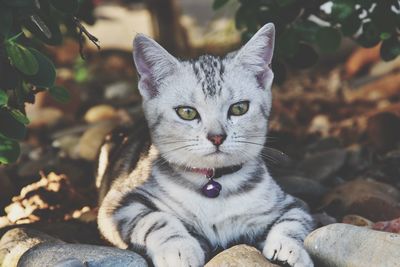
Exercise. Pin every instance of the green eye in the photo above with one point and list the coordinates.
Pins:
(239, 108)
(187, 113)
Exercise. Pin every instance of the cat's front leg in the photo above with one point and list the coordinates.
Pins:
(284, 242)
(167, 241)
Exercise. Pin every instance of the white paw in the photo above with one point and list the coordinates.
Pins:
(286, 249)
(179, 253)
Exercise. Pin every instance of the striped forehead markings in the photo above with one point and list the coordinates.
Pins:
(209, 71)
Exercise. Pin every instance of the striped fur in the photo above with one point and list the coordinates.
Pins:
(155, 205)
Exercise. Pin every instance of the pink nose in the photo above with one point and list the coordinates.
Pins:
(217, 139)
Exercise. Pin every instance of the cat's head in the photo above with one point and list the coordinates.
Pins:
(210, 112)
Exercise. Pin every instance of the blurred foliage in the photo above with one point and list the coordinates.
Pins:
(304, 29)
(25, 71)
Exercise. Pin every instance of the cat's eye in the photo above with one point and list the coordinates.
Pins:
(239, 108)
(187, 113)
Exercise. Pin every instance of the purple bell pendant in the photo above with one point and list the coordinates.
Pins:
(211, 189)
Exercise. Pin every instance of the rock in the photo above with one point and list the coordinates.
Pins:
(373, 200)
(238, 256)
(392, 226)
(322, 219)
(68, 145)
(44, 117)
(302, 187)
(324, 144)
(49, 255)
(357, 221)
(72, 262)
(91, 140)
(17, 241)
(320, 124)
(122, 92)
(100, 113)
(321, 166)
(343, 245)
(383, 131)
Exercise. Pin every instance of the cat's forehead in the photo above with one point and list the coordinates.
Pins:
(209, 72)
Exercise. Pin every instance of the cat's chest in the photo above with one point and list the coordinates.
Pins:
(220, 219)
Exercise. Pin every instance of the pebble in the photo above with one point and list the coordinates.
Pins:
(44, 117)
(100, 113)
(344, 245)
(239, 256)
(321, 166)
(14, 243)
(93, 138)
(49, 255)
(373, 200)
(301, 187)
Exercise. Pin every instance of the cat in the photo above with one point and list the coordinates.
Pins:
(202, 185)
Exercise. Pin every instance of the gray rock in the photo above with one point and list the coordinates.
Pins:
(71, 262)
(48, 255)
(343, 245)
(301, 187)
(14, 243)
(238, 256)
(323, 165)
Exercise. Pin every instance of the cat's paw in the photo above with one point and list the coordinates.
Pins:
(179, 253)
(288, 250)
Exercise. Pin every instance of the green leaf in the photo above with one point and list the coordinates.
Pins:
(351, 25)
(6, 20)
(342, 9)
(21, 58)
(19, 116)
(10, 127)
(219, 3)
(288, 43)
(370, 35)
(18, 3)
(3, 98)
(59, 93)
(46, 75)
(328, 39)
(305, 57)
(9, 150)
(390, 49)
(44, 27)
(68, 7)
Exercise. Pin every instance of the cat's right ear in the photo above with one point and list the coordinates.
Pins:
(153, 64)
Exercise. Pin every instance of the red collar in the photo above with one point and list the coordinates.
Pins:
(217, 172)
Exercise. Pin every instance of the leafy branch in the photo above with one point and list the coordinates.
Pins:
(25, 71)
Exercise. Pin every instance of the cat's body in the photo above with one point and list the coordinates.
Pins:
(209, 114)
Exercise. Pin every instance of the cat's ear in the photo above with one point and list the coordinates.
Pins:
(153, 64)
(256, 54)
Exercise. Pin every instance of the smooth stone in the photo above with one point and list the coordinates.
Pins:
(15, 242)
(239, 256)
(100, 113)
(44, 117)
(72, 262)
(344, 245)
(321, 166)
(301, 187)
(48, 255)
(93, 138)
(373, 200)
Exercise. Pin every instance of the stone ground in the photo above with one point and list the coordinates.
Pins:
(337, 124)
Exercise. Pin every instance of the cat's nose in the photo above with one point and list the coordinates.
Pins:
(216, 139)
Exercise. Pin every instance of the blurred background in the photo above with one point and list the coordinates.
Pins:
(334, 137)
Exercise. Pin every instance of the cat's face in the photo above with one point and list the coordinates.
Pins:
(211, 112)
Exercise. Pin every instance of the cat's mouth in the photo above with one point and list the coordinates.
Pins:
(216, 152)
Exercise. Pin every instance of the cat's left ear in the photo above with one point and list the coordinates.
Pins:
(153, 64)
(256, 54)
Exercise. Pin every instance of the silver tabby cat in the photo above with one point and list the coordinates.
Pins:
(207, 114)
